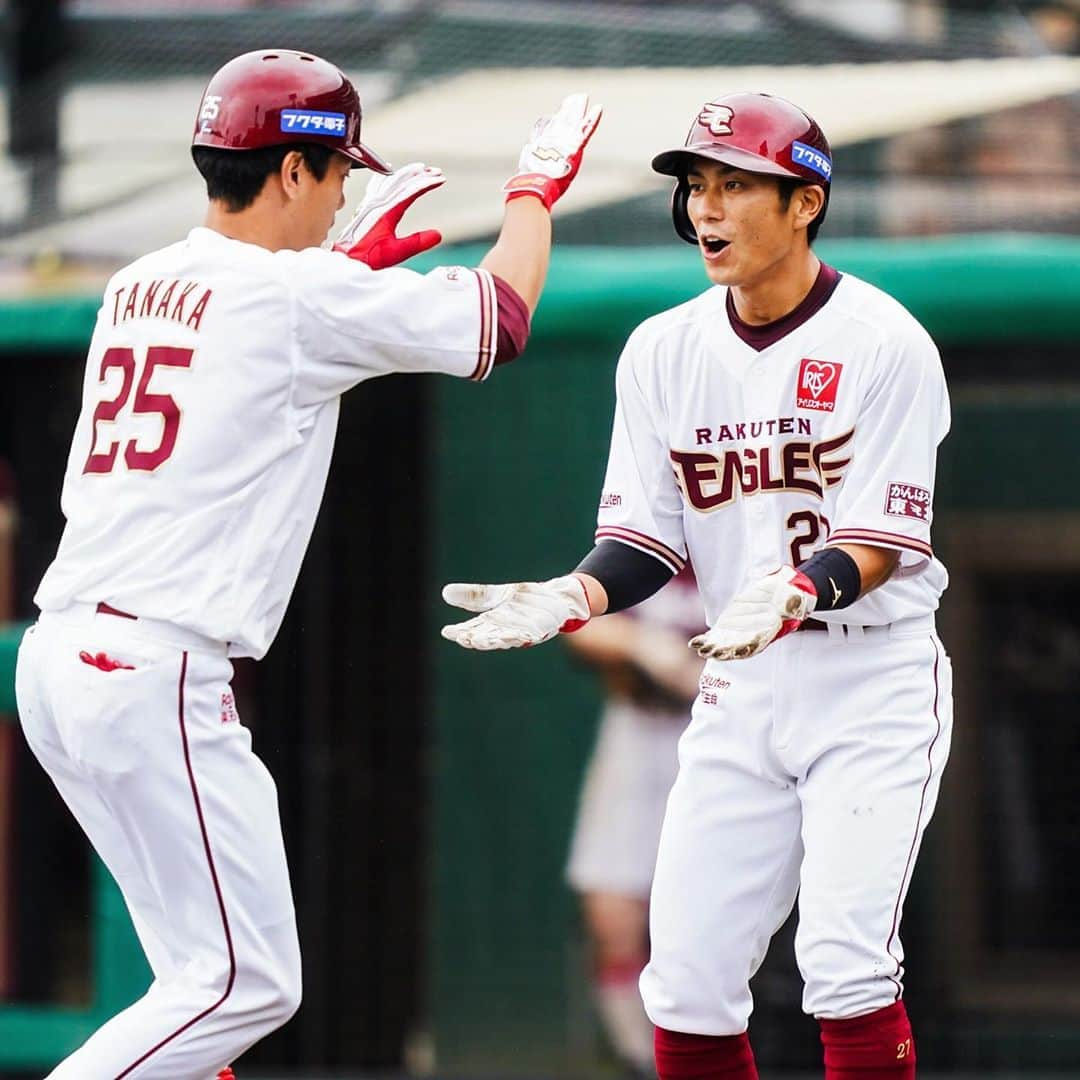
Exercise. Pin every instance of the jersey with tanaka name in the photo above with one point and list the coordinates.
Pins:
(209, 410)
(745, 459)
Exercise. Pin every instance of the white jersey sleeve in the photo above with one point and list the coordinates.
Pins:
(354, 323)
(887, 495)
(640, 504)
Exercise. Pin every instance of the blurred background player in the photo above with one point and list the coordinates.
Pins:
(650, 680)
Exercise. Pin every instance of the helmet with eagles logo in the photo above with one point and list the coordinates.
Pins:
(760, 133)
(274, 96)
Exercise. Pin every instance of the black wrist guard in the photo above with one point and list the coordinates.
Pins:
(836, 577)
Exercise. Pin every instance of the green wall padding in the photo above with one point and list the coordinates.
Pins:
(10, 636)
(963, 288)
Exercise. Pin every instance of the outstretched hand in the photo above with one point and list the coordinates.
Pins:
(515, 616)
(371, 235)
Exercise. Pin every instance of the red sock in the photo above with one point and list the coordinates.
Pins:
(877, 1046)
(704, 1057)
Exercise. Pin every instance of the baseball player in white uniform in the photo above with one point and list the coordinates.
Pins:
(650, 678)
(787, 417)
(198, 463)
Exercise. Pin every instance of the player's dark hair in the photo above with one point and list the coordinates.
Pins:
(787, 186)
(237, 176)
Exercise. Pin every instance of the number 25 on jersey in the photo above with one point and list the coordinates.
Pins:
(102, 459)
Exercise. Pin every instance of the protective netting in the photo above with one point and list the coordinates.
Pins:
(105, 63)
(422, 38)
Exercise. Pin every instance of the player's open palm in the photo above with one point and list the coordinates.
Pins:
(371, 236)
(765, 610)
(551, 158)
(516, 615)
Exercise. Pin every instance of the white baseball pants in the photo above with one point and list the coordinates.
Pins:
(153, 762)
(812, 768)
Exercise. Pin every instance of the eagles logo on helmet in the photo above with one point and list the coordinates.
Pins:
(717, 118)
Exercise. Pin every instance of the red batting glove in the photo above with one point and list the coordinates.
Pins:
(551, 158)
(371, 236)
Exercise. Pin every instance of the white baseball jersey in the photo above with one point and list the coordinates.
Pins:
(210, 405)
(746, 459)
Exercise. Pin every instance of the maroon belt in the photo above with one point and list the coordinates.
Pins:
(108, 609)
(806, 624)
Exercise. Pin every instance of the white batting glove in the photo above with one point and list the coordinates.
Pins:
(518, 615)
(768, 609)
(551, 158)
(370, 236)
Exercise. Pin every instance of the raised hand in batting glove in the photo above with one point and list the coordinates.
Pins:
(370, 237)
(765, 610)
(551, 158)
(518, 615)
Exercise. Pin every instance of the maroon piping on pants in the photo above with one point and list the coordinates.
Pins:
(918, 821)
(214, 877)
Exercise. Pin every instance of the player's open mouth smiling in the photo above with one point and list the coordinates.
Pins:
(713, 247)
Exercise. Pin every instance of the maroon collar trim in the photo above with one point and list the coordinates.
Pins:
(761, 337)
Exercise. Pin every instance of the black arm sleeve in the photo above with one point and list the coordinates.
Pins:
(628, 575)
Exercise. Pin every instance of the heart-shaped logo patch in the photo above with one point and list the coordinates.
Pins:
(818, 381)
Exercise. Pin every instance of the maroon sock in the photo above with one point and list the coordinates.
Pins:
(703, 1057)
(877, 1046)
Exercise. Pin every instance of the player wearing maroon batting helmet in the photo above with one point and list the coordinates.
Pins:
(197, 466)
(270, 97)
(780, 431)
(760, 133)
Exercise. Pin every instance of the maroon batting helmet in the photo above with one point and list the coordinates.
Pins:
(756, 132)
(273, 96)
